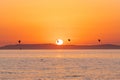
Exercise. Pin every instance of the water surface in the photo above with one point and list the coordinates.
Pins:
(60, 65)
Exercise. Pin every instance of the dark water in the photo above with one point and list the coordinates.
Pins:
(60, 65)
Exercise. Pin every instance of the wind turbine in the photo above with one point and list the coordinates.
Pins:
(69, 40)
(99, 40)
(19, 41)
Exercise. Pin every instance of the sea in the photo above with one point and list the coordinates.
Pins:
(102, 64)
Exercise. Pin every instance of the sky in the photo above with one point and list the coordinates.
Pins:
(45, 21)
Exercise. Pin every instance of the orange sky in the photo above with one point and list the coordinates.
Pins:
(44, 21)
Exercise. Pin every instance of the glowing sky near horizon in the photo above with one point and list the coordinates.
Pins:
(45, 21)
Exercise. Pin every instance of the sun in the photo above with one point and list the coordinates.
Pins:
(59, 41)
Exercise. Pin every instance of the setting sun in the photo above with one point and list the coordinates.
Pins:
(59, 41)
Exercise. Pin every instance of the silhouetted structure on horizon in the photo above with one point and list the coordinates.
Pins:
(19, 41)
(69, 40)
(99, 40)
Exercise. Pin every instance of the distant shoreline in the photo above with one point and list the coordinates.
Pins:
(52, 46)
